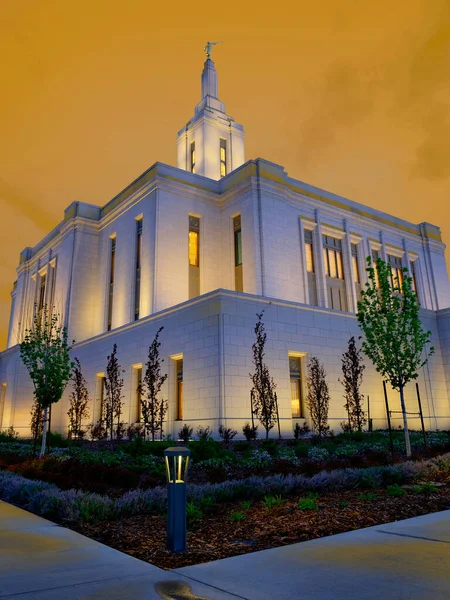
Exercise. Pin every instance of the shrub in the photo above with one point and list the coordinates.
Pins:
(246, 504)
(270, 446)
(270, 502)
(237, 516)
(227, 434)
(204, 450)
(395, 490)
(301, 431)
(427, 488)
(203, 433)
(8, 435)
(241, 446)
(250, 432)
(185, 433)
(318, 454)
(368, 496)
(301, 450)
(135, 431)
(307, 504)
(193, 514)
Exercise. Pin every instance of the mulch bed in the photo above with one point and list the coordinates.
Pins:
(216, 536)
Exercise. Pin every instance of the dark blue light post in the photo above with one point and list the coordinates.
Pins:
(177, 462)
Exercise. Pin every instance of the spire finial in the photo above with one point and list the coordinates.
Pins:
(208, 48)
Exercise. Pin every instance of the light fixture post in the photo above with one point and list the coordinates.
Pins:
(177, 462)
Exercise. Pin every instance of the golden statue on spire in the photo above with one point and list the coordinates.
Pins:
(208, 48)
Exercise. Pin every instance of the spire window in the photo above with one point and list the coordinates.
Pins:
(223, 157)
(193, 157)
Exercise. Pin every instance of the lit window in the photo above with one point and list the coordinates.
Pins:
(355, 266)
(332, 257)
(223, 157)
(309, 251)
(396, 271)
(138, 410)
(413, 275)
(238, 278)
(296, 387)
(194, 257)
(193, 157)
(2, 401)
(375, 257)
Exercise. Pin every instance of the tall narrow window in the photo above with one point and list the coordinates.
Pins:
(112, 260)
(2, 402)
(355, 269)
(137, 274)
(179, 408)
(52, 285)
(413, 275)
(193, 157)
(310, 270)
(296, 387)
(136, 382)
(375, 257)
(41, 301)
(194, 256)
(223, 157)
(396, 271)
(334, 271)
(238, 278)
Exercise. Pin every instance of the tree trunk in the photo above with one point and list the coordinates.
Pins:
(405, 423)
(44, 432)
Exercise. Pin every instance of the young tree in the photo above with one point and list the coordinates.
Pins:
(36, 423)
(112, 408)
(318, 397)
(45, 353)
(78, 403)
(352, 370)
(154, 408)
(388, 314)
(265, 403)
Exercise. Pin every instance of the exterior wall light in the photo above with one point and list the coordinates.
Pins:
(177, 462)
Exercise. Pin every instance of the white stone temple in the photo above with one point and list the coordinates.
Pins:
(200, 249)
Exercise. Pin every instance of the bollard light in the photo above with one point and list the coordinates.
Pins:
(177, 462)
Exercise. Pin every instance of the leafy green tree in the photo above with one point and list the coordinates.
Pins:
(318, 396)
(154, 408)
(388, 314)
(45, 352)
(78, 403)
(352, 371)
(265, 402)
(112, 407)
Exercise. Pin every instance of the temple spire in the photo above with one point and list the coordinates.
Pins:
(210, 84)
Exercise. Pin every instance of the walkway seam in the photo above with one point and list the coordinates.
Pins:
(416, 537)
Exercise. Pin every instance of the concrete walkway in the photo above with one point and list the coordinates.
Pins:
(405, 560)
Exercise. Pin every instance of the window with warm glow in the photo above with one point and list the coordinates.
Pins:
(296, 387)
(193, 248)
(193, 157)
(355, 265)
(223, 157)
(413, 275)
(137, 275)
(332, 257)
(395, 263)
(375, 257)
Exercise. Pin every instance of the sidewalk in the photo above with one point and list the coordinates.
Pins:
(404, 560)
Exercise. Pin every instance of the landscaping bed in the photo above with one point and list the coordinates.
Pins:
(225, 530)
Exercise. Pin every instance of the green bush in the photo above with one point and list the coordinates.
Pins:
(395, 490)
(270, 502)
(241, 446)
(301, 450)
(246, 504)
(368, 496)
(307, 504)
(237, 516)
(193, 514)
(204, 450)
(270, 446)
(8, 435)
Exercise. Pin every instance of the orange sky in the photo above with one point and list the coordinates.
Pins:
(347, 95)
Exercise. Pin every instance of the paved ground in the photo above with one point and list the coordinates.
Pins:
(405, 560)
